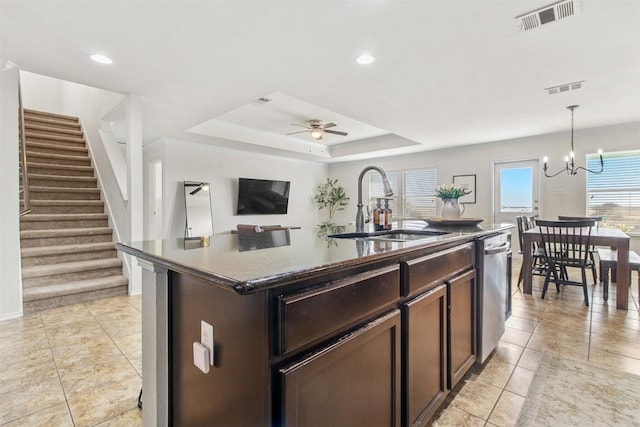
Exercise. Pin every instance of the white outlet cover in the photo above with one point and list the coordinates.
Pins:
(206, 338)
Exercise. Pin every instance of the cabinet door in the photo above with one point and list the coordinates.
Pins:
(425, 349)
(462, 348)
(353, 382)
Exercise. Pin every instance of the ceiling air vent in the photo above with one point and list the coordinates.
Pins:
(565, 87)
(544, 15)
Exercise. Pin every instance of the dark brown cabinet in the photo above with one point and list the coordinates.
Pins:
(461, 326)
(319, 313)
(353, 382)
(439, 328)
(425, 369)
(364, 347)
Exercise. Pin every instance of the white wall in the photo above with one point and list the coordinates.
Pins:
(479, 159)
(222, 167)
(10, 275)
(41, 93)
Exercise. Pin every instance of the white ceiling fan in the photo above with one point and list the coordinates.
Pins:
(317, 128)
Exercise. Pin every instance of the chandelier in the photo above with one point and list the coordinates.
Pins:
(569, 162)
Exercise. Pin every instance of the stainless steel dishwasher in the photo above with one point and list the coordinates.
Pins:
(491, 292)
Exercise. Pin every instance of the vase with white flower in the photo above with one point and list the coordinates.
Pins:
(450, 194)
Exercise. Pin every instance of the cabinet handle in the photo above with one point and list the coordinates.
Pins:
(498, 249)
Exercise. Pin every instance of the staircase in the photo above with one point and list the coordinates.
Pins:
(67, 251)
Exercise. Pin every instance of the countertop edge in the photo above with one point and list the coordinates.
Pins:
(270, 282)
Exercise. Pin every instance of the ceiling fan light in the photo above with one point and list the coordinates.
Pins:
(316, 133)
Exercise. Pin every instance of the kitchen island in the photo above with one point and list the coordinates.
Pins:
(307, 329)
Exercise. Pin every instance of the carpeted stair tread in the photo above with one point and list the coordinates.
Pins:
(63, 217)
(83, 159)
(74, 288)
(49, 121)
(35, 146)
(37, 188)
(64, 232)
(76, 168)
(66, 206)
(91, 179)
(58, 159)
(52, 221)
(66, 249)
(69, 180)
(69, 267)
(52, 137)
(38, 128)
(30, 112)
(67, 202)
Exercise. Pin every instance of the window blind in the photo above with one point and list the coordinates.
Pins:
(419, 193)
(413, 192)
(615, 193)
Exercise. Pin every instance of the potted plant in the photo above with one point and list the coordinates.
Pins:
(332, 197)
(449, 195)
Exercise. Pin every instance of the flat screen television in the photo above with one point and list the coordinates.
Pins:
(262, 196)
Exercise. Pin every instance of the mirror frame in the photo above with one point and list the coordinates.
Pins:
(191, 188)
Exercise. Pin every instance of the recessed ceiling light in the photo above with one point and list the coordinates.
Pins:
(365, 59)
(102, 59)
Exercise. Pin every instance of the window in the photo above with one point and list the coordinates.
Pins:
(615, 193)
(413, 193)
(516, 190)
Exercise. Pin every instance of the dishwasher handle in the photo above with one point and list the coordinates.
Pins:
(498, 249)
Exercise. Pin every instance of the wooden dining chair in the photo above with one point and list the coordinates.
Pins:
(592, 249)
(538, 267)
(565, 244)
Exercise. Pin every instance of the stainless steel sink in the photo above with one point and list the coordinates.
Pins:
(391, 235)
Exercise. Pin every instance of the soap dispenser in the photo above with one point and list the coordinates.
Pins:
(378, 217)
(387, 215)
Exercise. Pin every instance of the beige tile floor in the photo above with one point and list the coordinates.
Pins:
(493, 395)
(81, 365)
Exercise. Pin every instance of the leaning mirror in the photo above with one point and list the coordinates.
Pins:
(199, 219)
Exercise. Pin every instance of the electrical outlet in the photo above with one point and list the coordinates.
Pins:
(206, 338)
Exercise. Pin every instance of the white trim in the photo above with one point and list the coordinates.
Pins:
(10, 316)
(109, 141)
(105, 198)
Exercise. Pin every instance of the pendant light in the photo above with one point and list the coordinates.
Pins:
(569, 161)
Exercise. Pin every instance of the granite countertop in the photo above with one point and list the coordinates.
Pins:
(252, 262)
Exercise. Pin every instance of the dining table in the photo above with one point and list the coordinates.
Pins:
(600, 236)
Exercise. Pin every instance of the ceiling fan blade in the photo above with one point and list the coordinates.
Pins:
(302, 126)
(336, 132)
(329, 125)
(300, 131)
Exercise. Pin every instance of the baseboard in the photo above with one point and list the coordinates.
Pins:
(10, 316)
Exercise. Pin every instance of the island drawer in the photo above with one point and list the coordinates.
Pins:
(426, 272)
(323, 312)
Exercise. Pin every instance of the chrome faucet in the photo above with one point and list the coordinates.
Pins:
(387, 192)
